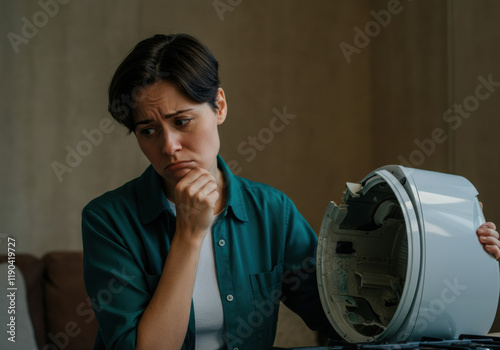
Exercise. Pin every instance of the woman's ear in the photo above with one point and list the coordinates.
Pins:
(220, 101)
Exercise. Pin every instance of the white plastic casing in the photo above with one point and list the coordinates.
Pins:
(400, 259)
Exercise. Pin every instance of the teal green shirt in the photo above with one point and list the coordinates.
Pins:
(264, 252)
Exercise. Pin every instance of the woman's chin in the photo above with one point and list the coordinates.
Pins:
(178, 174)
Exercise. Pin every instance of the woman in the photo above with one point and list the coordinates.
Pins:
(188, 255)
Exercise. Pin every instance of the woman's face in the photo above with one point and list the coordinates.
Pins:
(177, 134)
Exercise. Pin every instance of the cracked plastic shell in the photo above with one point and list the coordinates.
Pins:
(400, 259)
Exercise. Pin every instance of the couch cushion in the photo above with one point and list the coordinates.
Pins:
(71, 321)
(32, 270)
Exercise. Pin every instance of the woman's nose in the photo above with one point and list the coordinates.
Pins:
(171, 143)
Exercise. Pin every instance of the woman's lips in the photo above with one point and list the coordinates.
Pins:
(178, 165)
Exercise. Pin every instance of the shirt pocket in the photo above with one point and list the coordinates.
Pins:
(266, 289)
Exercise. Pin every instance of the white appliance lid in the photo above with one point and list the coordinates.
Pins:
(399, 259)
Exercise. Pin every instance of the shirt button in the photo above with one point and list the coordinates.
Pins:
(229, 297)
(222, 242)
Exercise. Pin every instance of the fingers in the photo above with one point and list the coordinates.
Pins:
(489, 238)
(198, 185)
(195, 198)
(487, 229)
(493, 250)
(208, 193)
(490, 225)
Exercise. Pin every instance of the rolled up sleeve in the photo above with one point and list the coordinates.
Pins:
(115, 284)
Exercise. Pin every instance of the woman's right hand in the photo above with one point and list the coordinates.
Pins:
(195, 197)
(164, 323)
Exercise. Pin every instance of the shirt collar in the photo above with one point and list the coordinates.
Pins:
(152, 201)
(234, 197)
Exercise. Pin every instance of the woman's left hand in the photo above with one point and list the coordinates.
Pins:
(488, 237)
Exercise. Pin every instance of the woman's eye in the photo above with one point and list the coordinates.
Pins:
(147, 131)
(181, 122)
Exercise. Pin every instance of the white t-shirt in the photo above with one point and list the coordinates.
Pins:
(208, 315)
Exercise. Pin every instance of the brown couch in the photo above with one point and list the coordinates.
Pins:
(60, 310)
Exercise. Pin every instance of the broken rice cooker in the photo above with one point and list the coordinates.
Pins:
(399, 259)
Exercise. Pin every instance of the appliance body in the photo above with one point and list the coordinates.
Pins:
(400, 260)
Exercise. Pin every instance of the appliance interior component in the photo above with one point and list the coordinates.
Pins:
(464, 342)
(399, 259)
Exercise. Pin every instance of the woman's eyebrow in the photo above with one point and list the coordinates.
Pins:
(166, 116)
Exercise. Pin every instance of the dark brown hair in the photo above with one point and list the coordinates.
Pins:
(179, 59)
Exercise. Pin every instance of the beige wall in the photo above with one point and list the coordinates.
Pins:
(409, 86)
(476, 53)
(476, 146)
(350, 117)
(428, 60)
(273, 55)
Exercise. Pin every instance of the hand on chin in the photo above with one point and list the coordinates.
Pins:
(177, 175)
